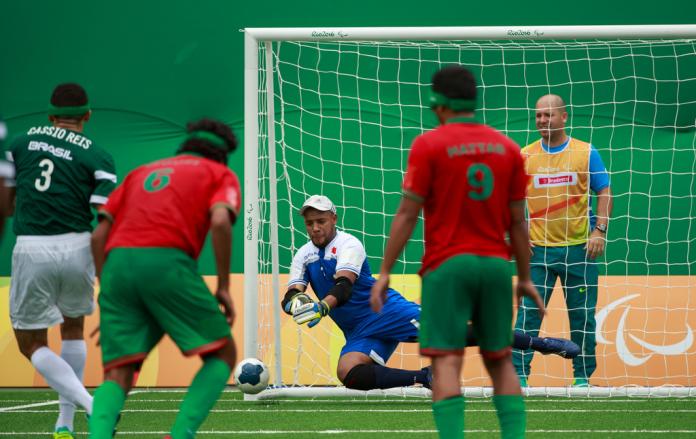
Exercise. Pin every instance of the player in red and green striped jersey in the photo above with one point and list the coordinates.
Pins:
(145, 248)
(470, 181)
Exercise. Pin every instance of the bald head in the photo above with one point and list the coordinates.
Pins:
(553, 102)
(551, 118)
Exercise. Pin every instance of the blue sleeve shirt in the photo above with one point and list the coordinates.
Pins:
(599, 177)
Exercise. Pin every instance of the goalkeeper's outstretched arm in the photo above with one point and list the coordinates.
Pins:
(305, 310)
(294, 296)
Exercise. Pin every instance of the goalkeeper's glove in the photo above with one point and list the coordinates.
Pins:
(311, 312)
(295, 302)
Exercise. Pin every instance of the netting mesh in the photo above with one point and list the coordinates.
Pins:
(346, 113)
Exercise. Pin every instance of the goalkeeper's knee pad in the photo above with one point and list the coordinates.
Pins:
(361, 377)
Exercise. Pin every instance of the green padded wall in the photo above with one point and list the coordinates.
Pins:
(151, 66)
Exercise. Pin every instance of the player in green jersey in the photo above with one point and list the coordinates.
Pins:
(60, 175)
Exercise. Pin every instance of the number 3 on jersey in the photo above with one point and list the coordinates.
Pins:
(481, 180)
(157, 179)
(44, 182)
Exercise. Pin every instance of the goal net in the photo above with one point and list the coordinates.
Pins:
(334, 112)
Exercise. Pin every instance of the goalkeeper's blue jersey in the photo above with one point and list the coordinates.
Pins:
(318, 266)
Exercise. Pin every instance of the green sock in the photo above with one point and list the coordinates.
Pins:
(108, 402)
(511, 414)
(201, 397)
(449, 417)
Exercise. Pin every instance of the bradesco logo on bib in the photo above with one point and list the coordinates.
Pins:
(555, 180)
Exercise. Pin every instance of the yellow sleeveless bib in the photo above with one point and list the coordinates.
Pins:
(558, 194)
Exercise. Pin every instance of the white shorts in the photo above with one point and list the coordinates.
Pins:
(52, 277)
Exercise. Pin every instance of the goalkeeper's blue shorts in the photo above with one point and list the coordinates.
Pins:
(378, 336)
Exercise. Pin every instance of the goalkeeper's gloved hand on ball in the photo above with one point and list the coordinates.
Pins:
(311, 312)
(296, 301)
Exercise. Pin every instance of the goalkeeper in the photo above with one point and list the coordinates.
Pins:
(334, 263)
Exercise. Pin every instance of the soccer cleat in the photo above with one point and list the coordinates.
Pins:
(559, 346)
(428, 377)
(63, 433)
(581, 382)
(523, 382)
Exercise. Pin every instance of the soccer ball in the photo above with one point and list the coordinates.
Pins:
(251, 376)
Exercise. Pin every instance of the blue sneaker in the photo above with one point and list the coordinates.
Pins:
(428, 377)
(63, 433)
(581, 382)
(558, 346)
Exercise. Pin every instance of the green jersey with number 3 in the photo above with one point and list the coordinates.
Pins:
(59, 174)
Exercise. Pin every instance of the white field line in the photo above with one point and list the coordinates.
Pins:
(368, 410)
(347, 401)
(336, 432)
(427, 401)
(26, 406)
(40, 404)
(410, 398)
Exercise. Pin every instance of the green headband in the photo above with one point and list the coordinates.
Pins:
(77, 110)
(437, 99)
(212, 138)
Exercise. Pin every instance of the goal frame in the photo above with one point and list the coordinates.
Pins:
(253, 39)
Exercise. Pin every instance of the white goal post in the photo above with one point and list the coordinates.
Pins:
(333, 110)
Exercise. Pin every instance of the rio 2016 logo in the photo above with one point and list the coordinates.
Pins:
(622, 349)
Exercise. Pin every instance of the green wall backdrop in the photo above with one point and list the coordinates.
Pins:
(151, 66)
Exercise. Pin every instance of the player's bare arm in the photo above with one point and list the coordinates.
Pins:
(98, 243)
(306, 310)
(401, 231)
(221, 234)
(519, 239)
(4, 203)
(597, 241)
(11, 201)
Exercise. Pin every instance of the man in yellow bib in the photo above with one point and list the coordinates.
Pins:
(565, 235)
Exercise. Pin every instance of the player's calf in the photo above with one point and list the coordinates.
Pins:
(361, 377)
(227, 353)
(368, 376)
(30, 340)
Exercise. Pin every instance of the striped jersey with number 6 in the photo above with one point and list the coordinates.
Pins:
(59, 174)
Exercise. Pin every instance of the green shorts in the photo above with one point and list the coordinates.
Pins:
(467, 288)
(147, 292)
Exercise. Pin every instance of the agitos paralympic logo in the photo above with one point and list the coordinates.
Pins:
(622, 349)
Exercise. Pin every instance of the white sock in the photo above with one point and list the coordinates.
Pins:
(60, 376)
(74, 352)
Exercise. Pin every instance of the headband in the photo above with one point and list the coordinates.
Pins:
(212, 138)
(437, 99)
(70, 110)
